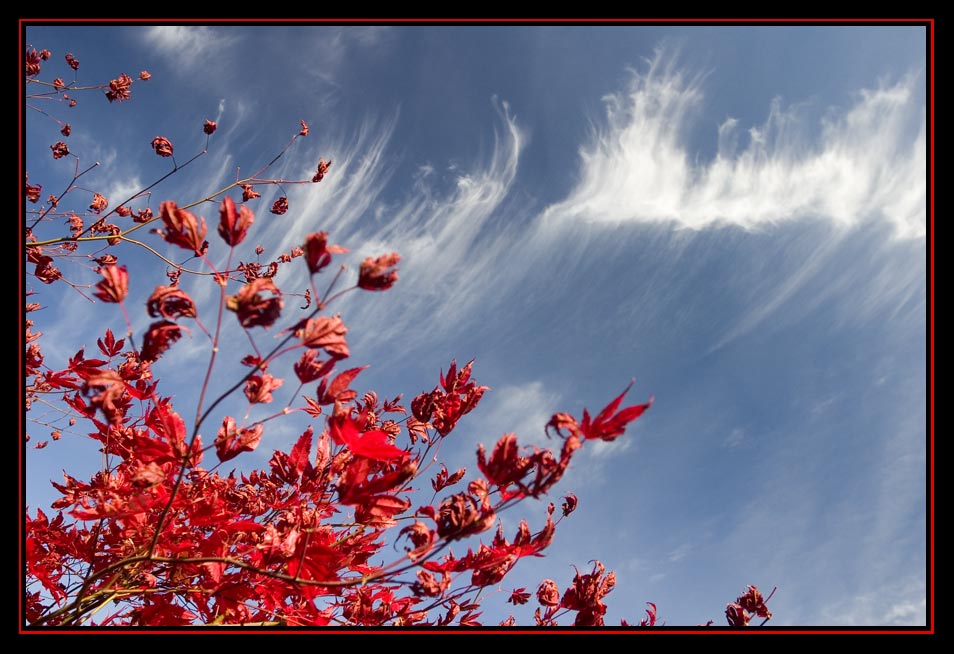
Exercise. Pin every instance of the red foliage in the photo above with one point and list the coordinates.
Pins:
(318, 252)
(115, 284)
(321, 170)
(280, 206)
(253, 307)
(234, 223)
(119, 88)
(315, 535)
(60, 150)
(249, 193)
(98, 204)
(379, 274)
(183, 228)
(162, 146)
(33, 192)
(32, 60)
(171, 303)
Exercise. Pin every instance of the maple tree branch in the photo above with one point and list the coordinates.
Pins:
(53, 205)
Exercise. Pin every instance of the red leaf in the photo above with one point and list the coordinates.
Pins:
(249, 193)
(650, 619)
(379, 510)
(162, 146)
(308, 368)
(318, 252)
(298, 457)
(379, 274)
(240, 526)
(323, 167)
(61, 379)
(215, 570)
(118, 88)
(170, 302)
(79, 404)
(253, 306)
(324, 332)
(342, 430)
(374, 445)
(115, 284)
(313, 409)
(160, 337)
(109, 345)
(230, 441)
(167, 423)
(607, 426)
(338, 385)
(183, 228)
(150, 449)
(449, 382)
(280, 206)
(234, 223)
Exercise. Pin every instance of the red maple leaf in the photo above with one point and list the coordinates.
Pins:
(234, 223)
(253, 307)
(231, 441)
(324, 332)
(318, 252)
(183, 228)
(115, 284)
(607, 426)
(170, 302)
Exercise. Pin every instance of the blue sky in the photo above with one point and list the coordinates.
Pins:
(734, 216)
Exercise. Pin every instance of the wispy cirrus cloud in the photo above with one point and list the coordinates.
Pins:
(895, 605)
(432, 229)
(520, 409)
(335, 45)
(861, 163)
(856, 172)
(189, 46)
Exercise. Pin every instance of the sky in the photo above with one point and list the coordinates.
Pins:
(735, 217)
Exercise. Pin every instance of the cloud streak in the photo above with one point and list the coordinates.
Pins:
(442, 236)
(188, 47)
(862, 166)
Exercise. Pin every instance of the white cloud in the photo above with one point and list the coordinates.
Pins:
(189, 47)
(119, 189)
(885, 282)
(441, 236)
(862, 164)
(326, 49)
(777, 291)
(906, 613)
(523, 410)
(600, 449)
(895, 605)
